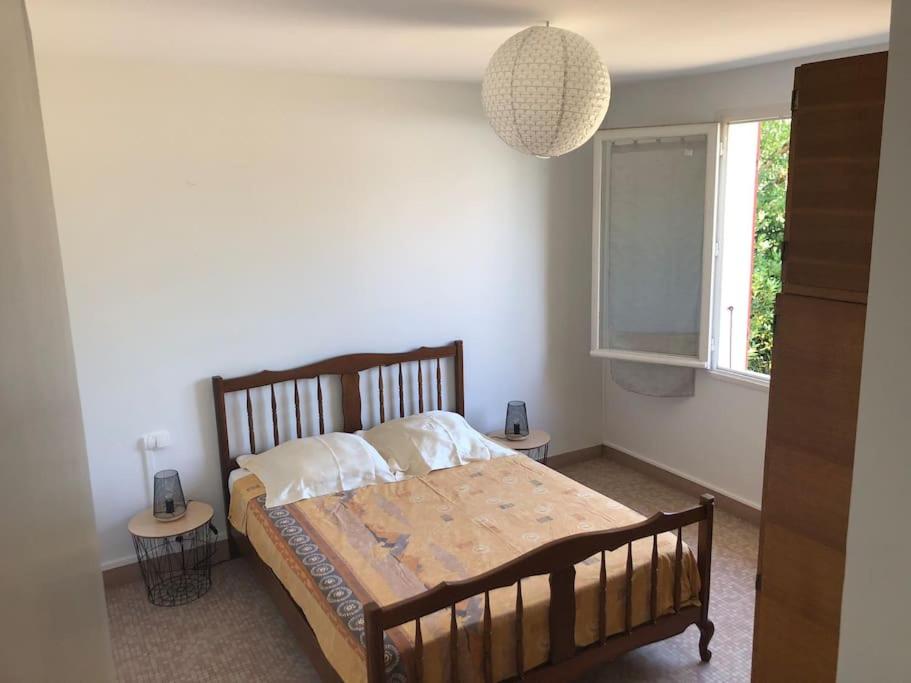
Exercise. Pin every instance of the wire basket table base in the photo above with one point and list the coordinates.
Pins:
(539, 453)
(177, 569)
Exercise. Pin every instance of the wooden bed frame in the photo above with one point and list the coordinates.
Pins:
(557, 559)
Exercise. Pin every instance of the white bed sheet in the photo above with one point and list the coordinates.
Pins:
(239, 473)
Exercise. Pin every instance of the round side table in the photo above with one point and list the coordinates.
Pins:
(534, 445)
(175, 558)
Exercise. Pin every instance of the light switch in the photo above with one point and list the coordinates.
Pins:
(154, 441)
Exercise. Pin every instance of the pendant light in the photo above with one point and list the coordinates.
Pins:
(545, 91)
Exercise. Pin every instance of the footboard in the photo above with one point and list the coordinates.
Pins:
(558, 560)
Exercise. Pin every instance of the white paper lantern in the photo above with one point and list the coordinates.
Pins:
(545, 91)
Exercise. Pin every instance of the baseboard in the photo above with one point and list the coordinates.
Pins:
(723, 500)
(560, 460)
(119, 562)
(128, 573)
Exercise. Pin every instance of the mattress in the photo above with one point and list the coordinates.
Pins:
(391, 541)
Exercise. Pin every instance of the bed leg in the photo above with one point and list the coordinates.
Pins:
(706, 631)
(375, 651)
(704, 560)
(233, 547)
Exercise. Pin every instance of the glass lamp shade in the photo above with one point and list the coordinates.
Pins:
(169, 503)
(516, 421)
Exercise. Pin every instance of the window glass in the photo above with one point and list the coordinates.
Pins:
(654, 230)
(752, 231)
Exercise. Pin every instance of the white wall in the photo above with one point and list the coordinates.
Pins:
(222, 220)
(54, 625)
(877, 593)
(716, 437)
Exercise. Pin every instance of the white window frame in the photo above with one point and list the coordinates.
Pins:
(756, 380)
(712, 131)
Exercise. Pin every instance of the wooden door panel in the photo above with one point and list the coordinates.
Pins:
(831, 248)
(836, 131)
(851, 80)
(780, 662)
(817, 504)
(848, 131)
(843, 187)
(815, 378)
(809, 584)
(813, 401)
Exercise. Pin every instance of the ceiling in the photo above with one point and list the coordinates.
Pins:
(453, 39)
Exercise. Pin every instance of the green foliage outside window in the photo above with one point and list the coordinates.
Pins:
(772, 184)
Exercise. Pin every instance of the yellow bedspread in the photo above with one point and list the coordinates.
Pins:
(391, 541)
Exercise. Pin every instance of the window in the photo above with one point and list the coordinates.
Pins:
(653, 243)
(754, 184)
(667, 288)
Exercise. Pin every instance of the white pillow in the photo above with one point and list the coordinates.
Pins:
(430, 441)
(316, 466)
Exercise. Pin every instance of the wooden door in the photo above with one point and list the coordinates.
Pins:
(816, 366)
(836, 129)
(807, 488)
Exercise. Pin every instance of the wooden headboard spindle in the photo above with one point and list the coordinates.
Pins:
(420, 389)
(297, 409)
(379, 375)
(401, 394)
(439, 387)
(274, 416)
(319, 401)
(250, 423)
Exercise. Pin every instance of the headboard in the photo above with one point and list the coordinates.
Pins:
(348, 370)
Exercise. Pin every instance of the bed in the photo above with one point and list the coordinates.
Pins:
(491, 570)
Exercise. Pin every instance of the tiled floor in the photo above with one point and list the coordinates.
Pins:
(235, 634)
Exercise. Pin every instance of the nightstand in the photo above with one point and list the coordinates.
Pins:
(534, 445)
(175, 558)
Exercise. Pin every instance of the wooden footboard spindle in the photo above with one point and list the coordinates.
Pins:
(453, 645)
(562, 614)
(558, 559)
(520, 632)
(488, 640)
